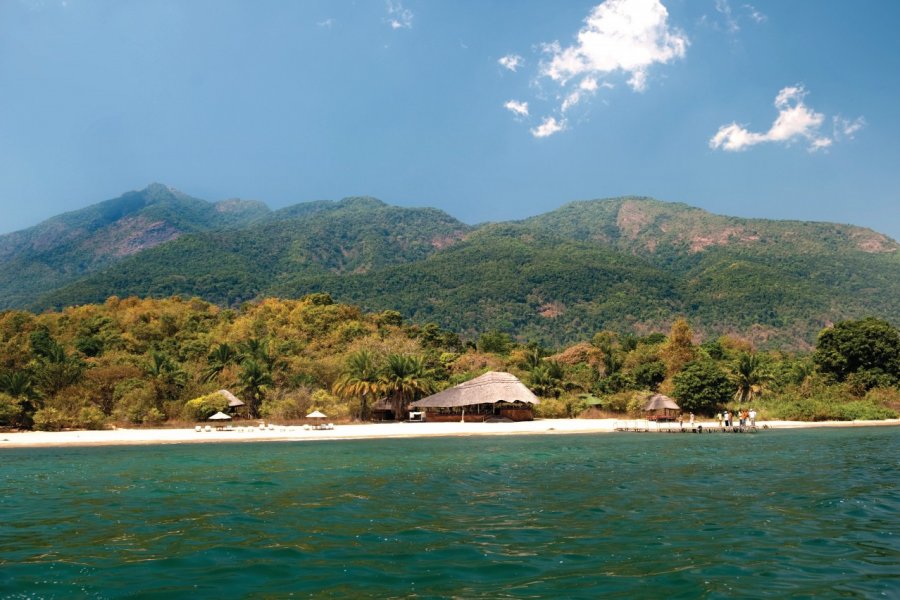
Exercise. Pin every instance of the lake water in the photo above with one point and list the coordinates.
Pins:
(808, 513)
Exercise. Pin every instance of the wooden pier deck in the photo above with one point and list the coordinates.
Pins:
(644, 426)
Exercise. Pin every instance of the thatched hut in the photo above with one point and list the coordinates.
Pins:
(661, 408)
(492, 395)
(234, 403)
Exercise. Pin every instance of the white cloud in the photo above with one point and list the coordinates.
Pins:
(795, 121)
(327, 23)
(754, 14)
(845, 127)
(511, 62)
(589, 84)
(619, 35)
(618, 38)
(548, 127)
(398, 16)
(724, 9)
(517, 108)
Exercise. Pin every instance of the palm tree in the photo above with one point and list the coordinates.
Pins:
(21, 385)
(258, 350)
(219, 357)
(403, 378)
(360, 379)
(254, 379)
(168, 377)
(546, 379)
(749, 376)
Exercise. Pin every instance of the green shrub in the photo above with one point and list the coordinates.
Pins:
(134, 399)
(832, 405)
(550, 408)
(202, 408)
(11, 411)
(863, 410)
(153, 416)
(50, 419)
(287, 406)
(90, 417)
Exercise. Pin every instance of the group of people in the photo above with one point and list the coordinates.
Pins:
(745, 418)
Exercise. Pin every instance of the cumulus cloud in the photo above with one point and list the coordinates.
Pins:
(548, 127)
(398, 16)
(517, 108)
(627, 36)
(618, 38)
(511, 62)
(795, 121)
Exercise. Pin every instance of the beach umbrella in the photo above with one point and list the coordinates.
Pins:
(220, 416)
(316, 415)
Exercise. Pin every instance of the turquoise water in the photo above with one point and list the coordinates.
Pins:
(782, 513)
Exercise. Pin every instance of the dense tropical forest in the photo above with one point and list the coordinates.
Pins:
(131, 362)
(627, 265)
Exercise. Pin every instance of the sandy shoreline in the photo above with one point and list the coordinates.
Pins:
(114, 437)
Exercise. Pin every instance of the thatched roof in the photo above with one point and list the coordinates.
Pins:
(659, 402)
(233, 401)
(382, 404)
(490, 388)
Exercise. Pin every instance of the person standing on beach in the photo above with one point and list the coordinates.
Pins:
(752, 416)
(692, 420)
(719, 418)
(726, 417)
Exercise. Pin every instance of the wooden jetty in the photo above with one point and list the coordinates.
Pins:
(647, 426)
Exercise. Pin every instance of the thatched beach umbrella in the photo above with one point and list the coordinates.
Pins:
(220, 416)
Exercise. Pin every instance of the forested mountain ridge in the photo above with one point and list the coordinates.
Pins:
(626, 264)
(648, 227)
(63, 248)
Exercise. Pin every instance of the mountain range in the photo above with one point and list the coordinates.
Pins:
(624, 264)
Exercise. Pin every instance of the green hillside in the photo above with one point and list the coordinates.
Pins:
(354, 235)
(625, 264)
(69, 246)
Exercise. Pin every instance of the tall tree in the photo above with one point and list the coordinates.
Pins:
(403, 379)
(701, 387)
(679, 348)
(218, 359)
(868, 346)
(360, 379)
(254, 378)
(749, 376)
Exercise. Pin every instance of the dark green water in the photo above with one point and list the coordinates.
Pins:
(777, 514)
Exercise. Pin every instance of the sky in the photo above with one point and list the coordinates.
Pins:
(489, 110)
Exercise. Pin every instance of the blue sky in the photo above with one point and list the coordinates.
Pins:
(488, 110)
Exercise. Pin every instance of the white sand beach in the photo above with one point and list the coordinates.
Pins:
(352, 431)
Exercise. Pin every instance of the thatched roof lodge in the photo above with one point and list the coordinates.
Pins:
(492, 395)
(661, 408)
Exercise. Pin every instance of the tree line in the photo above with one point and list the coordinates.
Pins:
(149, 362)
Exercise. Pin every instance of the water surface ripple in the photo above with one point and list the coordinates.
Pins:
(783, 513)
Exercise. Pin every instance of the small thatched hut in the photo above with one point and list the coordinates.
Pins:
(491, 395)
(661, 408)
(234, 403)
